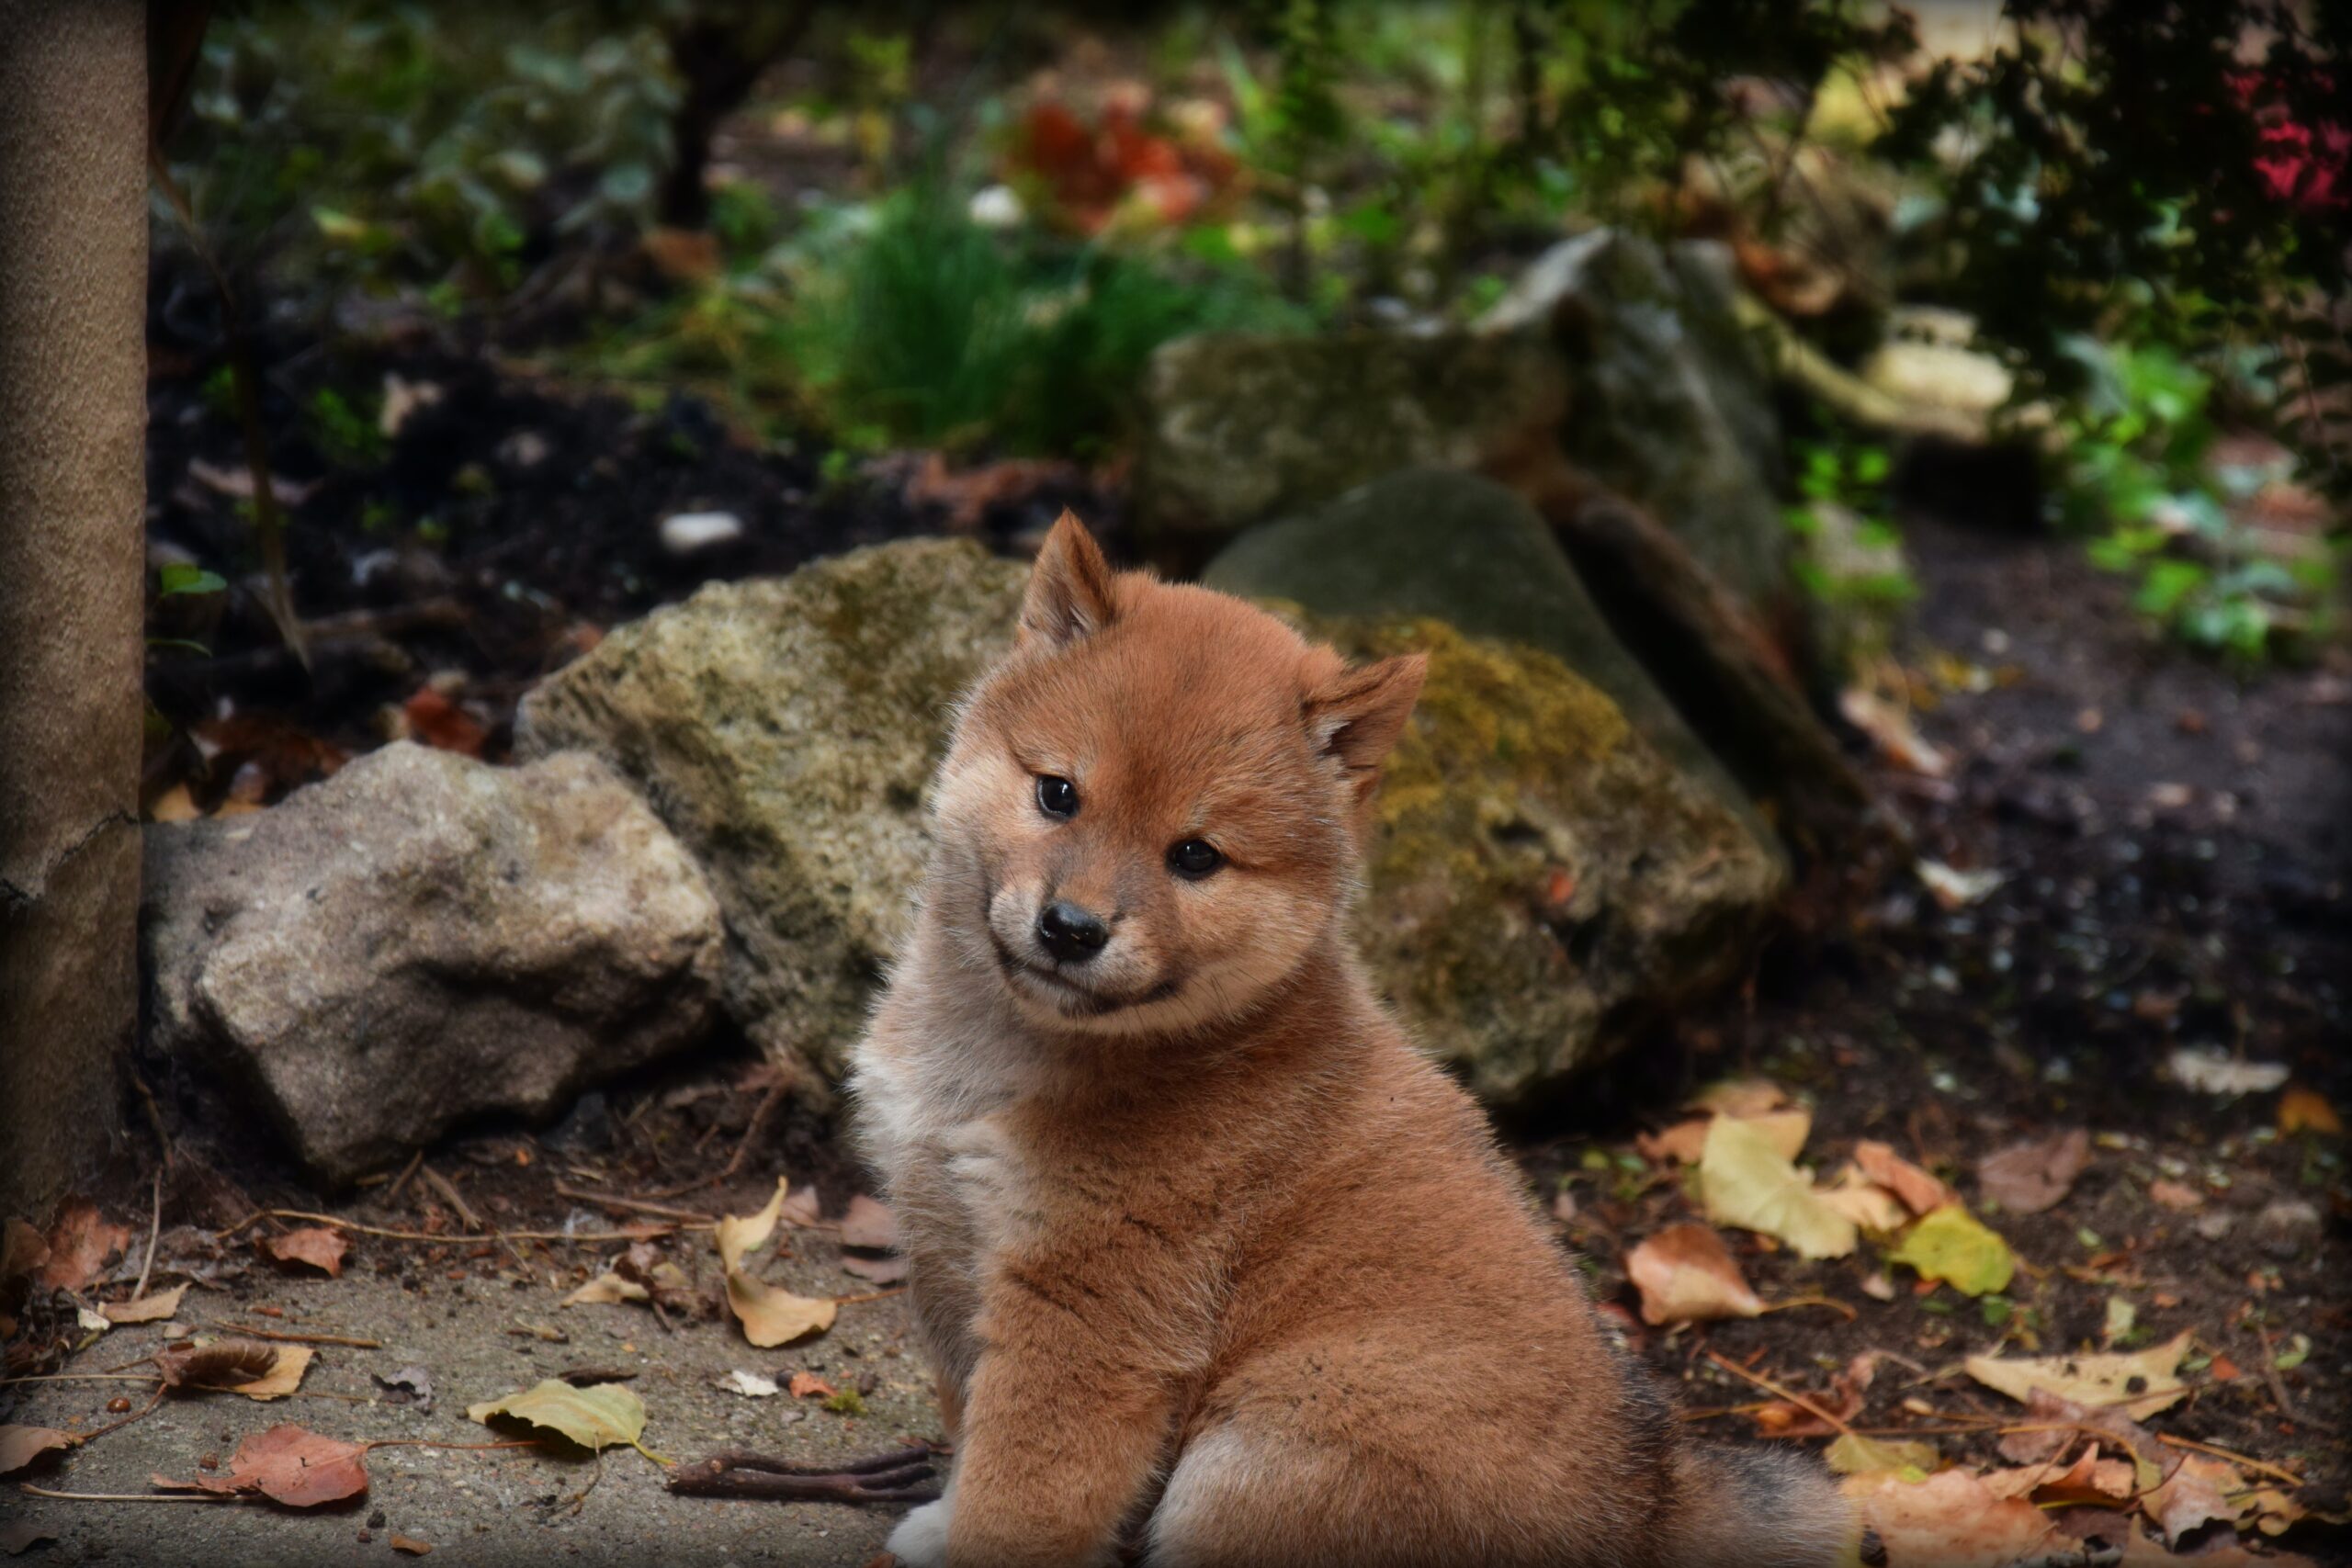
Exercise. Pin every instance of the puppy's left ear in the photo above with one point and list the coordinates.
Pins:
(1356, 715)
(1069, 589)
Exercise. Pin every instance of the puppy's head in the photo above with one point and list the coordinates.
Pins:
(1151, 811)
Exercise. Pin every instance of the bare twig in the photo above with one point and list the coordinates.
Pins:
(154, 1230)
(443, 1188)
(342, 1339)
(637, 1205)
(2288, 1476)
(1768, 1386)
(400, 1182)
(27, 1486)
(642, 1233)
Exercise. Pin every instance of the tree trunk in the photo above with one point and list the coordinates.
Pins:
(72, 422)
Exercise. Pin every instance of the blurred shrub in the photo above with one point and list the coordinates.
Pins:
(441, 146)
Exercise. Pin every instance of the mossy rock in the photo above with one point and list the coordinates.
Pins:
(786, 730)
(1542, 882)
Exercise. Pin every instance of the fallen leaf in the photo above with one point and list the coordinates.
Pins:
(1949, 1520)
(1866, 1204)
(220, 1363)
(608, 1288)
(177, 804)
(144, 1309)
(2307, 1110)
(1682, 1144)
(2027, 1178)
(2194, 1495)
(1920, 1192)
(809, 1385)
(2088, 1480)
(741, 1234)
(596, 1418)
(2052, 1423)
(1853, 1454)
(1889, 728)
(1956, 890)
(410, 1385)
(1952, 1245)
(284, 1376)
(1685, 1275)
(2140, 1383)
(317, 1247)
(772, 1315)
(294, 1466)
(24, 1250)
(888, 1271)
(20, 1536)
(1745, 1180)
(869, 1224)
(79, 1244)
(409, 1546)
(2210, 1072)
(1740, 1097)
(436, 720)
(2175, 1195)
(19, 1446)
(752, 1385)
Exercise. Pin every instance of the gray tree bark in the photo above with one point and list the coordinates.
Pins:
(72, 422)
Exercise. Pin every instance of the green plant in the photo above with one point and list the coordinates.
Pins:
(344, 436)
(1849, 550)
(2137, 470)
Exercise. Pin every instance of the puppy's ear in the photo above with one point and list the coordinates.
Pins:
(1356, 715)
(1069, 589)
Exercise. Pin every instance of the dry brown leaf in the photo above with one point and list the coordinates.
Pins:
(2177, 1196)
(79, 1244)
(2087, 1480)
(318, 1247)
(24, 1251)
(2051, 1423)
(1682, 1144)
(809, 1385)
(1740, 1097)
(284, 1377)
(1686, 1275)
(870, 1223)
(291, 1465)
(1889, 726)
(19, 1446)
(2139, 1385)
(2307, 1110)
(224, 1363)
(607, 1289)
(409, 1546)
(1920, 1192)
(2194, 1495)
(144, 1309)
(2027, 1178)
(741, 1234)
(20, 1536)
(772, 1315)
(1950, 1521)
(1865, 1203)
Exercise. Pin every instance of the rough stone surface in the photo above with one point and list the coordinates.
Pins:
(786, 729)
(1542, 875)
(1242, 428)
(424, 938)
(1463, 550)
(72, 476)
(1672, 402)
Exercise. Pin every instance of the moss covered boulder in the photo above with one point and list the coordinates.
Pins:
(786, 730)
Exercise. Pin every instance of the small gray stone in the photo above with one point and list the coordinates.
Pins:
(425, 938)
(2285, 1228)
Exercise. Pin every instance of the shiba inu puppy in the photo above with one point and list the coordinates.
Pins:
(1212, 1266)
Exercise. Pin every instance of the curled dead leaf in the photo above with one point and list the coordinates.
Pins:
(1920, 1192)
(2030, 1176)
(224, 1363)
(1686, 1275)
(772, 1315)
(316, 1247)
(19, 1446)
(145, 1308)
(79, 1244)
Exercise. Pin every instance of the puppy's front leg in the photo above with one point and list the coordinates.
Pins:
(1066, 1416)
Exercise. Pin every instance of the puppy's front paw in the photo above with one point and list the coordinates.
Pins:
(921, 1540)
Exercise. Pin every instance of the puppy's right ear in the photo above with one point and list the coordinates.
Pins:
(1069, 589)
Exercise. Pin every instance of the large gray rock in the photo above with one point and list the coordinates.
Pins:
(1433, 543)
(424, 939)
(1241, 428)
(1543, 876)
(786, 729)
(1672, 401)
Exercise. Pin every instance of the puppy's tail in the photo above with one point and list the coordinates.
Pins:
(1758, 1509)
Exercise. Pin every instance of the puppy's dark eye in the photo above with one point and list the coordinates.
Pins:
(1194, 858)
(1057, 796)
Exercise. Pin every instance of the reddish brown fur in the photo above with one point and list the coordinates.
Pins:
(1214, 1265)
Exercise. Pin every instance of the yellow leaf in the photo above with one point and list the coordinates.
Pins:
(284, 1377)
(608, 1288)
(1747, 1181)
(740, 1235)
(145, 1308)
(1740, 1097)
(2140, 1383)
(1853, 1454)
(772, 1316)
(1951, 1245)
(2306, 1111)
(600, 1417)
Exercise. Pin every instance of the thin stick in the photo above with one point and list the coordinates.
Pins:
(460, 1447)
(82, 1377)
(643, 1232)
(637, 1205)
(344, 1339)
(870, 1296)
(1814, 1302)
(448, 1192)
(400, 1182)
(130, 1497)
(1768, 1386)
(2246, 1460)
(155, 1229)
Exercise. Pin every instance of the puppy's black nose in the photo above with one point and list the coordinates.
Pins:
(1069, 933)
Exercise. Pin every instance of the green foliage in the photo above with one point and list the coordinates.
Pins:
(2137, 470)
(346, 437)
(421, 144)
(177, 579)
(1840, 561)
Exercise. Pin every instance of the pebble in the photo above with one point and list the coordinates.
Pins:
(688, 532)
